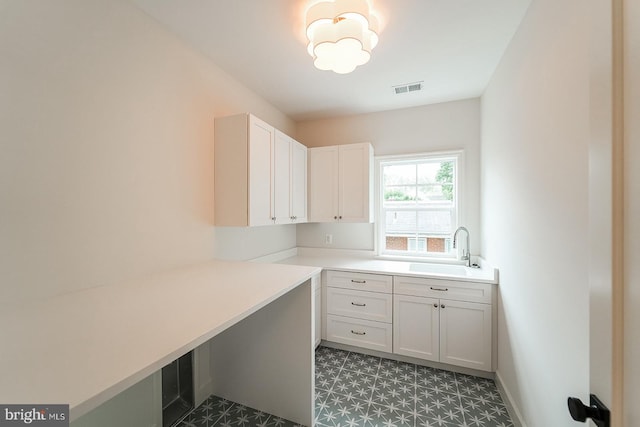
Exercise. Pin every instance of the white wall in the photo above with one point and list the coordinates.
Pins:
(535, 140)
(437, 127)
(106, 133)
(632, 211)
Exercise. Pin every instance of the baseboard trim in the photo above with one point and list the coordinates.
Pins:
(507, 398)
(408, 359)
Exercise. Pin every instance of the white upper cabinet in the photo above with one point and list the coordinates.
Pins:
(282, 179)
(261, 172)
(323, 184)
(341, 183)
(298, 181)
(290, 171)
(254, 176)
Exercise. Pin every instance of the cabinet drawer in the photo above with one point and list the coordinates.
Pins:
(361, 333)
(360, 281)
(360, 304)
(444, 289)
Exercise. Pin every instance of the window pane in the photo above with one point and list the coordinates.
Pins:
(434, 222)
(427, 172)
(399, 174)
(445, 173)
(417, 244)
(397, 193)
(396, 243)
(436, 244)
(431, 193)
(400, 222)
(447, 192)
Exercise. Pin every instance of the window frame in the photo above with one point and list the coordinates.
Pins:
(458, 217)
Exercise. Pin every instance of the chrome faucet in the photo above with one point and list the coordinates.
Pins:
(464, 257)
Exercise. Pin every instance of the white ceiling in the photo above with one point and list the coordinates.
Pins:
(453, 46)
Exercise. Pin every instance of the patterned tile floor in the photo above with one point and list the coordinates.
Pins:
(356, 390)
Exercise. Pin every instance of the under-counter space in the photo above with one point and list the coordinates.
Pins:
(85, 347)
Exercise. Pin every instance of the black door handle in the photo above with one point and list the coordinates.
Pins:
(598, 412)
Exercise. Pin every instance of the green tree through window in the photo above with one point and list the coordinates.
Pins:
(445, 176)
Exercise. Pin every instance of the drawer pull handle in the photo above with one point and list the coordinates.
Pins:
(358, 304)
(358, 281)
(439, 289)
(358, 333)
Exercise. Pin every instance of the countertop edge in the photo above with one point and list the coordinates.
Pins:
(355, 264)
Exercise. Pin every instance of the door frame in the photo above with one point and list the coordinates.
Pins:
(606, 207)
(618, 235)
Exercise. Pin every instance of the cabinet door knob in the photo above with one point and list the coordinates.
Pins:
(340, 217)
(335, 217)
(435, 305)
(442, 306)
(273, 218)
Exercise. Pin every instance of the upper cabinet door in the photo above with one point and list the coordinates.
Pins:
(323, 184)
(298, 182)
(340, 183)
(261, 177)
(242, 168)
(282, 178)
(355, 192)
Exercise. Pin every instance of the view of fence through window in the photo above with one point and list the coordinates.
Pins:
(419, 205)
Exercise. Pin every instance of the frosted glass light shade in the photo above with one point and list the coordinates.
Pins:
(341, 34)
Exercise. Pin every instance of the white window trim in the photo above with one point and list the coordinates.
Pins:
(460, 197)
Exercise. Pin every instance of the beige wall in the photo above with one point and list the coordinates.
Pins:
(535, 147)
(632, 211)
(106, 148)
(437, 127)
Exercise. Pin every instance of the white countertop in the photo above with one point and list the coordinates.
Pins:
(85, 347)
(380, 266)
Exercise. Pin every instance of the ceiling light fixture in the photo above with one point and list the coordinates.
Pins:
(341, 34)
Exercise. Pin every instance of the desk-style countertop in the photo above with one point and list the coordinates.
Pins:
(83, 348)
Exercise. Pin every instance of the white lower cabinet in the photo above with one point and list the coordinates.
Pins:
(465, 334)
(442, 330)
(359, 309)
(444, 321)
(361, 305)
(416, 327)
(358, 332)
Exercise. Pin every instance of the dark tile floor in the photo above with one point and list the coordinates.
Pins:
(355, 390)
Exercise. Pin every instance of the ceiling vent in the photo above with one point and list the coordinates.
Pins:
(408, 87)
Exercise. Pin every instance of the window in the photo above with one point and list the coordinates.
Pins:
(418, 201)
